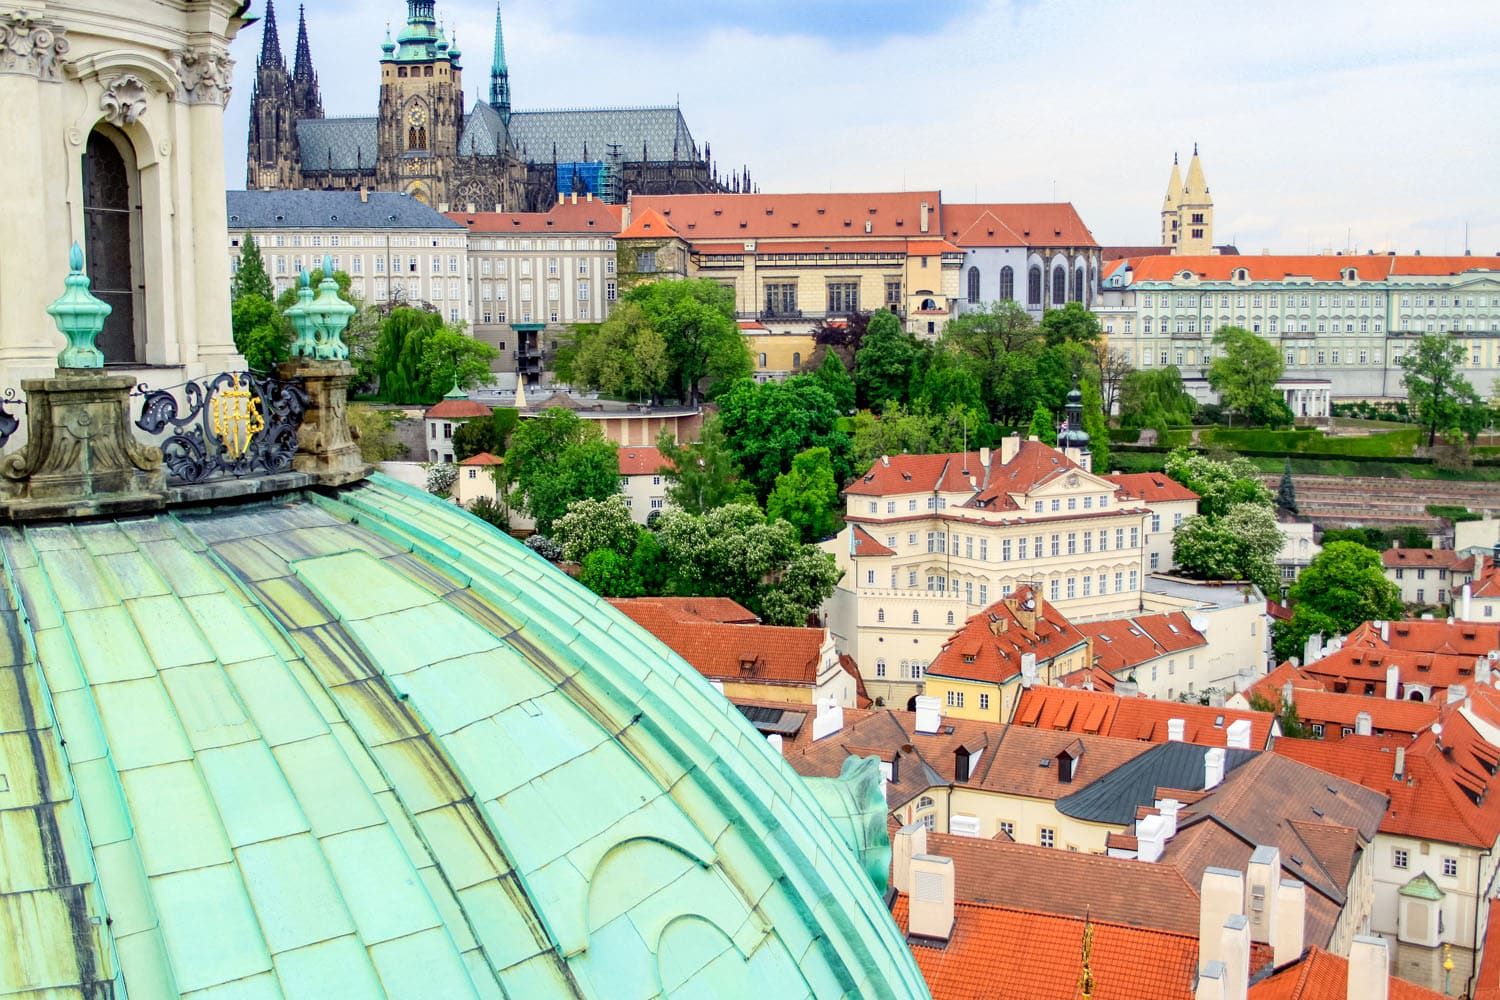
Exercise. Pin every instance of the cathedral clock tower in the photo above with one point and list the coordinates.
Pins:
(421, 108)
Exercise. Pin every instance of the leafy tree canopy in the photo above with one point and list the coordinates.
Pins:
(625, 356)
(1436, 390)
(261, 335)
(1240, 545)
(590, 525)
(1073, 323)
(703, 474)
(704, 348)
(376, 431)
(480, 434)
(807, 496)
(1042, 426)
(1343, 586)
(251, 278)
(899, 431)
(1095, 425)
(1156, 398)
(887, 362)
(1244, 373)
(833, 376)
(556, 458)
(1219, 485)
(767, 424)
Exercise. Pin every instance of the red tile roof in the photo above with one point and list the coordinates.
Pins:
(456, 409)
(1426, 559)
(1466, 638)
(647, 223)
(1123, 643)
(584, 217)
(1006, 953)
(1261, 268)
(893, 475)
(483, 458)
(1334, 712)
(990, 645)
(1040, 224)
(866, 545)
(1487, 981)
(1443, 265)
(637, 461)
(1319, 975)
(1487, 580)
(794, 216)
(1151, 486)
(1134, 718)
(1361, 669)
(696, 609)
(753, 654)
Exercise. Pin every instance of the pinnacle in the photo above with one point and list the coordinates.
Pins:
(270, 40)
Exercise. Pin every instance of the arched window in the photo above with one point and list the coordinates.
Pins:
(1007, 284)
(1059, 285)
(1080, 285)
(112, 239)
(916, 617)
(974, 284)
(880, 614)
(796, 359)
(1034, 286)
(950, 618)
(925, 802)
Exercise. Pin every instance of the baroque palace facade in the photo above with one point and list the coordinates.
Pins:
(423, 142)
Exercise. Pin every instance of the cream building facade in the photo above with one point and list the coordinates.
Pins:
(1040, 256)
(1187, 211)
(117, 144)
(395, 249)
(1341, 320)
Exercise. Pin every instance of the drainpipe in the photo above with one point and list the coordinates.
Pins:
(1474, 962)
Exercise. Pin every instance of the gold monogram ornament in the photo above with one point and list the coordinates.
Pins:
(236, 417)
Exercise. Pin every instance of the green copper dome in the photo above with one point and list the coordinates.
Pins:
(356, 743)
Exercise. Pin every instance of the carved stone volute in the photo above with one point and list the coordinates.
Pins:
(203, 75)
(124, 100)
(30, 47)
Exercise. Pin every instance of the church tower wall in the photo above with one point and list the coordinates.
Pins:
(421, 109)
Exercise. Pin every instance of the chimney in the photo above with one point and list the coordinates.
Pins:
(930, 905)
(1384, 628)
(364, 195)
(775, 740)
(1312, 650)
(1238, 734)
(562, 197)
(1210, 982)
(1362, 724)
(1213, 768)
(1221, 893)
(1010, 447)
(885, 461)
(1176, 729)
(1457, 693)
(575, 197)
(1392, 681)
(1291, 919)
(926, 210)
(929, 715)
(1399, 772)
(1482, 671)
(1287, 693)
(984, 457)
(829, 720)
(1235, 954)
(1151, 837)
(1262, 876)
(1468, 593)
(1127, 689)
(1028, 668)
(1369, 969)
(589, 196)
(911, 840)
(1169, 809)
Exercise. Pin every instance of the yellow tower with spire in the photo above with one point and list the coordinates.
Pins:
(1187, 212)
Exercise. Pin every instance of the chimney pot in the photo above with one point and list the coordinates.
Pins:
(1362, 724)
(1235, 954)
(929, 714)
(1176, 730)
(1221, 893)
(1238, 734)
(1262, 876)
(911, 840)
(1291, 920)
(829, 720)
(1399, 773)
(1213, 768)
(1369, 969)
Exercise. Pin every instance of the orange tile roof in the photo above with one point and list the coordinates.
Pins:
(990, 645)
(1121, 644)
(1039, 224)
(1135, 718)
(1487, 580)
(1437, 636)
(637, 461)
(866, 545)
(1034, 464)
(1268, 267)
(456, 409)
(1013, 768)
(1443, 265)
(483, 458)
(648, 223)
(1004, 953)
(1487, 980)
(754, 654)
(1426, 559)
(1361, 669)
(893, 475)
(695, 609)
(1335, 711)
(791, 216)
(1319, 975)
(584, 217)
(1151, 486)
(984, 229)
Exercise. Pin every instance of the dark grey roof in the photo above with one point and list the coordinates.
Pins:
(484, 132)
(1115, 797)
(337, 143)
(596, 128)
(331, 210)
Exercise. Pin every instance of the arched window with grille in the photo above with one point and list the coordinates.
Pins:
(1080, 285)
(112, 240)
(1034, 286)
(974, 285)
(1007, 284)
(1059, 285)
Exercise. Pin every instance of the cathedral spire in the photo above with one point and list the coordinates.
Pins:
(1196, 189)
(308, 102)
(270, 41)
(1174, 187)
(499, 73)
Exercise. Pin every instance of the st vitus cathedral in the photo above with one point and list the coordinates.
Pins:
(424, 143)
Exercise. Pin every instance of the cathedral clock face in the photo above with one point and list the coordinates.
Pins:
(417, 117)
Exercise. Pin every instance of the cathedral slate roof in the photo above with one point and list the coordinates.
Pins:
(332, 210)
(577, 130)
(484, 133)
(338, 144)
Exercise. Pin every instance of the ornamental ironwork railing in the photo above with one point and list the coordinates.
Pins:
(9, 422)
(231, 425)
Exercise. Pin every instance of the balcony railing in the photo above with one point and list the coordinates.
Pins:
(229, 426)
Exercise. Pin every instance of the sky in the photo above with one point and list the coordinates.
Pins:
(1322, 124)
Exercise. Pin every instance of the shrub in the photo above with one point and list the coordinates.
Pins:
(441, 477)
(490, 512)
(544, 547)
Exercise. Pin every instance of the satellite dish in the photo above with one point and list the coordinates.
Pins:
(1028, 604)
(1200, 624)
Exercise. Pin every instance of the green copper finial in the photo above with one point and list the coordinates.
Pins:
(330, 315)
(300, 316)
(80, 317)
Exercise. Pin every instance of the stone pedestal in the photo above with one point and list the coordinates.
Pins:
(81, 456)
(325, 448)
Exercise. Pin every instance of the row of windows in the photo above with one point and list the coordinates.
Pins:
(1057, 543)
(483, 243)
(1087, 585)
(956, 700)
(911, 670)
(358, 240)
(1400, 858)
(501, 267)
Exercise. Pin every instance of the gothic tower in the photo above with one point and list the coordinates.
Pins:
(272, 160)
(499, 73)
(1187, 213)
(306, 101)
(421, 109)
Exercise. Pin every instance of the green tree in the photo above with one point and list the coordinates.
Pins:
(997, 345)
(609, 574)
(1343, 586)
(556, 458)
(251, 278)
(946, 384)
(261, 335)
(490, 512)
(398, 355)
(888, 360)
(624, 356)
(800, 588)
(451, 357)
(1096, 426)
(375, 429)
(1073, 323)
(1042, 428)
(807, 496)
(835, 380)
(766, 425)
(1286, 494)
(590, 525)
(1244, 373)
(703, 344)
(1292, 726)
(703, 474)
(1241, 545)
(1435, 389)
(1155, 398)
(1219, 485)
(441, 477)
(480, 434)
(899, 431)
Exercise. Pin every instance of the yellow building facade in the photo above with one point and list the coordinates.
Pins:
(1187, 212)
